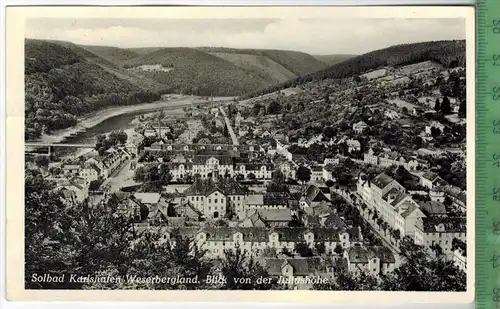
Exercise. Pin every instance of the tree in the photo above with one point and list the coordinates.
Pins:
(274, 107)
(95, 184)
(435, 132)
(462, 110)
(303, 174)
(329, 183)
(447, 201)
(446, 106)
(437, 105)
(433, 274)
(338, 249)
(320, 248)
(303, 249)
(42, 161)
(241, 271)
(251, 176)
(329, 132)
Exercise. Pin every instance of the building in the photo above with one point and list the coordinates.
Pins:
(311, 196)
(359, 127)
(213, 198)
(392, 114)
(255, 240)
(389, 198)
(71, 169)
(429, 179)
(294, 271)
(406, 218)
(327, 172)
(431, 231)
(373, 261)
(460, 259)
(353, 145)
(91, 171)
(74, 190)
(207, 166)
(270, 217)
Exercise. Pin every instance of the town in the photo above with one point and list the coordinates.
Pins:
(332, 174)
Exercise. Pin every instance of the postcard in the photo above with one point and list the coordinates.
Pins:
(287, 154)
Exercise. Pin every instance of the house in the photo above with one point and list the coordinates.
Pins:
(273, 217)
(406, 217)
(91, 171)
(311, 196)
(431, 231)
(429, 179)
(460, 259)
(150, 133)
(294, 271)
(327, 172)
(371, 156)
(207, 165)
(214, 111)
(330, 160)
(369, 260)
(316, 173)
(392, 114)
(353, 145)
(74, 190)
(255, 240)
(254, 170)
(384, 194)
(213, 198)
(359, 127)
(71, 169)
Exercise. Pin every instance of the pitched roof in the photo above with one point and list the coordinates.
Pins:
(255, 199)
(383, 253)
(429, 176)
(148, 198)
(382, 180)
(275, 215)
(359, 254)
(202, 159)
(449, 224)
(433, 207)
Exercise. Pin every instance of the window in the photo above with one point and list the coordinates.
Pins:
(210, 200)
(215, 200)
(197, 198)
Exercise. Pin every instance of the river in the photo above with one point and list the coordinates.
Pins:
(119, 118)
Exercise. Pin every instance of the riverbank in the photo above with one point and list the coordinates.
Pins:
(84, 123)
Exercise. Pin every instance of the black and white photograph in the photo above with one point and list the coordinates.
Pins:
(283, 153)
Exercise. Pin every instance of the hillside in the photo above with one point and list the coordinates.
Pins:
(296, 62)
(264, 67)
(447, 53)
(188, 70)
(333, 59)
(113, 54)
(63, 82)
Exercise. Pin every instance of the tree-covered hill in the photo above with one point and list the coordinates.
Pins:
(296, 62)
(333, 59)
(113, 54)
(62, 84)
(447, 53)
(197, 72)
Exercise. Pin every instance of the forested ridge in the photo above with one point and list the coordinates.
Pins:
(297, 62)
(447, 53)
(61, 85)
(197, 72)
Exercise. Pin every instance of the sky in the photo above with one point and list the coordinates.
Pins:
(313, 36)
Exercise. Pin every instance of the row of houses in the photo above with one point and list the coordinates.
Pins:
(390, 158)
(401, 212)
